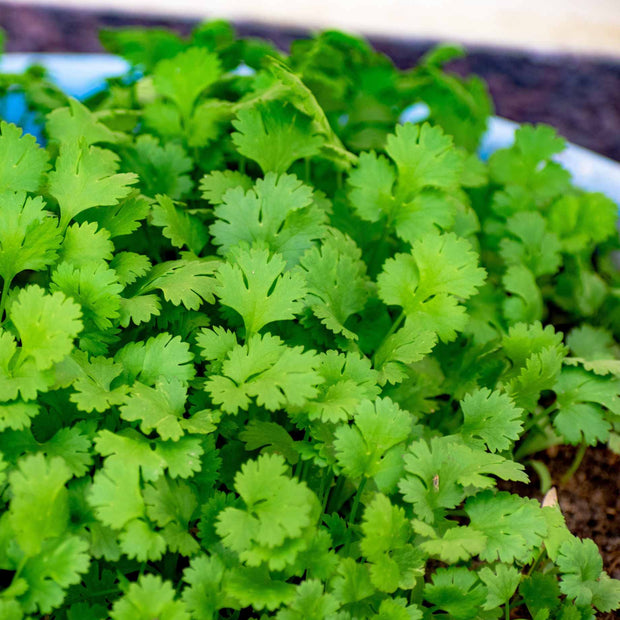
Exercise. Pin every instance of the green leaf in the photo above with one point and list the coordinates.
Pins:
(254, 587)
(115, 494)
(429, 282)
(524, 302)
(540, 591)
(29, 235)
(514, 526)
(270, 438)
(163, 357)
(595, 349)
(278, 213)
(149, 598)
(379, 426)
(84, 244)
(331, 269)
(275, 135)
(386, 532)
(456, 544)
(158, 409)
(491, 417)
(181, 458)
(268, 370)
(95, 287)
(215, 184)
(86, 177)
(531, 244)
(187, 282)
(22, 161)
(39, 507)
(162, 169)
(582, 400)
(501, 583)
(583, 220)
(183, 229)
(47, 325)
(259, 289)
(456, 591)
(69, 124)
(424, 157)
(204, 595)
(443, 473)
(310, 603)
(348, 379)
(527, 163)
(277, 508)
(60, 565)
(185, 77)
(583, 579)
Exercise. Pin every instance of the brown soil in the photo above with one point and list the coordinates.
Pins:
(590, 501)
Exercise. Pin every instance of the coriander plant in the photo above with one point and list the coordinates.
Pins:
(267, 352)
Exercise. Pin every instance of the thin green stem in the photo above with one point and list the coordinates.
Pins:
(535, 419)
(354, 508)
(507, 611)
(569, 473)
(334, 496)
(356, 500)
(395, 325)
(378, 249)
(307, 169)
(3, 296)
(536, 562)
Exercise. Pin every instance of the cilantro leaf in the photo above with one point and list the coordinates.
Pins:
(71, 123)
(47, 325)
(187, 282)
(215, 184)
(501, 584)
(337, 263)
(185, 77)
(162, 357)
(406, 346)
(86, 177)
(424, 157)
(29, 235)
(39, 508)
(347, 380)
(456, 591)
(441, 474)
(278, 212)
(275, 135)
(268, 370)
(149, 597)
(22, 161)
(395, 563)
(84, 243)
(157, 408)
(162, 169)
(491, 417)
(581, 401)
(527, 163)
(429, 281)
(182, 228)
(379, 426)
(259, 289)
(583, 579)
(277, 509)
(514, 526)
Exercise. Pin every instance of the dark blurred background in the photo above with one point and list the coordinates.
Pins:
(579, 95)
